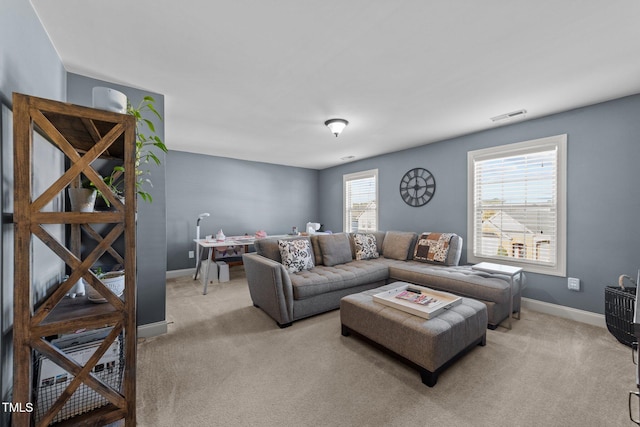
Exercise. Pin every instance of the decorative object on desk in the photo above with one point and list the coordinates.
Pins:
(82, 199)
(312, 227)
(336, 126)
(261, 234)
(619, 310)
(220, 237)
(417, 187)
(114, 280)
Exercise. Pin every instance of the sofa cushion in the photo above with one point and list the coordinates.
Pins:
(322, 279)
(296, 255)
(365, 246)
(317, 252)
(460, 280)
(268, 247)
(432, 248)
(335, 248)
(398, 245)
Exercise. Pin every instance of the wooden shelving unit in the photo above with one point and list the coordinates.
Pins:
(83, 135)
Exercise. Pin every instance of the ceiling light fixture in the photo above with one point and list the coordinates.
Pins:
(520, 114)
(336, 125)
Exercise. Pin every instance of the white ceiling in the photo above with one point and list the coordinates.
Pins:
(255, 80)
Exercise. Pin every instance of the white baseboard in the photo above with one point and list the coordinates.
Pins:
(588, 317)
(152, 329)
(172, 274)
(159, 328)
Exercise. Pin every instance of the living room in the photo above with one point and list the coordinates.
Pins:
(244, 196)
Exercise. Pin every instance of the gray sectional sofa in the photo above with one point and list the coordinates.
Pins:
(288, 295)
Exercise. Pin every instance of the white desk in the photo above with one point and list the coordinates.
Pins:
(505, 270)
(203, 244)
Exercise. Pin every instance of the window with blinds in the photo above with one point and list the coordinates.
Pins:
(360, 195)
(517, 205)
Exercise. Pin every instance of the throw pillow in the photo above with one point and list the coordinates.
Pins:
(366, 247)
(433, 248)
(398, 245)
(296, 255)
(335, 248)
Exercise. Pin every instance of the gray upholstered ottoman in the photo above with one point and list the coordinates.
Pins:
(428, 345)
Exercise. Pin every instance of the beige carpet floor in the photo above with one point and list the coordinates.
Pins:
(226, 363)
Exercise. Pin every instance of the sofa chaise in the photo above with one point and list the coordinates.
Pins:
(318, 270)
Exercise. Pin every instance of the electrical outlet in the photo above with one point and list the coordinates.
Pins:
(573, 284)
(191, 254)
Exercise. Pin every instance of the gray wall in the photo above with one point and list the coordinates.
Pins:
(241, 196)
(28, 64)
(151, 240)
(603, 197)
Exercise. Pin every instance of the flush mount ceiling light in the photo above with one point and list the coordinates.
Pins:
(336, 125)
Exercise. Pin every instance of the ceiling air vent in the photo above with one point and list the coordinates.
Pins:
(520, 114)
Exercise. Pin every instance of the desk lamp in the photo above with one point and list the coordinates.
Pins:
(202, 215)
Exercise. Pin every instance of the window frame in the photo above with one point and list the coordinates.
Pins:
(557, 142)
(346, 178)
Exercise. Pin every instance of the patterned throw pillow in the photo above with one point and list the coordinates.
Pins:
(366, 247)
(296, 255)
(432, 247)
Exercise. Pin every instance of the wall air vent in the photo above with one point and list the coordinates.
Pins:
(520, 114)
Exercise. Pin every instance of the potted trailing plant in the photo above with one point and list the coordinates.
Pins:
(146, 141)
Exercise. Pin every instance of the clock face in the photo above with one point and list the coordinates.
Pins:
(417, 187)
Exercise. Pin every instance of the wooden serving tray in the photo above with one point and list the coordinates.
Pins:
(444, 300)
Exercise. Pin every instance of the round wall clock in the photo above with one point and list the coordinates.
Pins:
(417, 187)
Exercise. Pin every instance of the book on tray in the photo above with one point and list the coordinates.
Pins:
(417, 297)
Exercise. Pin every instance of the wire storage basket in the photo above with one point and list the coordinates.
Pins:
(619, 302)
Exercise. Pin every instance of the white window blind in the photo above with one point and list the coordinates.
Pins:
(516, 201)
(360, 192)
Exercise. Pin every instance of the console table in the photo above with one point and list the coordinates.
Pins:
(505, 270)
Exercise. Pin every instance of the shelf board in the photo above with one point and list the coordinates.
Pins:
(97, 217)
(72, 314)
